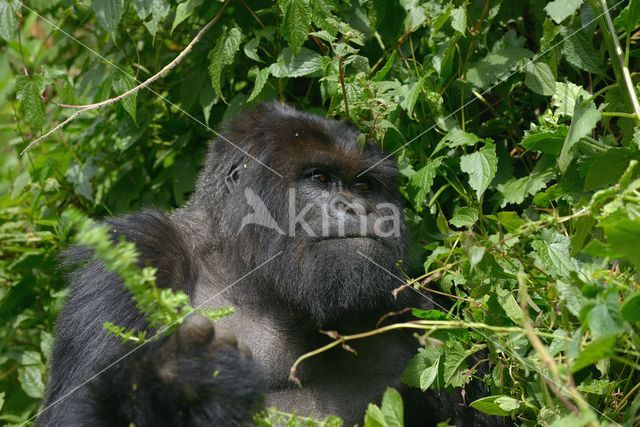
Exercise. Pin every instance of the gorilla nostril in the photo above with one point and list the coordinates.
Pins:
(340, 204)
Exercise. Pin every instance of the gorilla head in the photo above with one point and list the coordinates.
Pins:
(302, 186)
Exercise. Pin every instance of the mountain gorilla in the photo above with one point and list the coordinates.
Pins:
(294, 254)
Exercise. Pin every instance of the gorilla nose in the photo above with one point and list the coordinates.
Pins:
(342, 205)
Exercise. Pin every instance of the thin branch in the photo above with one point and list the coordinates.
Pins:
(424, 325)
(159, 74)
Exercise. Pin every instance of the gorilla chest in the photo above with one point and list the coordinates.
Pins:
(338, 382)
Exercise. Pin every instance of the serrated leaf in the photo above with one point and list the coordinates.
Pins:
(422, 182)
(539, 78)
(585, 118)
(564, 99)
(183, 11)
(28, 90)
(481, 167)
(559, 10)
(108, 14)
(414, 374)
(296, 22)
(516, 190)
(496, 405)
(30, 379)
(8, 19)
(464, 217)
(261, 78)
(459, 19)
(222, 55)
(579, 51)
(548, 142)
(159, 10)
(392, 408)
(289, 65)
(554, 252)
(629, 17)
(455, 366)
(457, 137)
(496, 66)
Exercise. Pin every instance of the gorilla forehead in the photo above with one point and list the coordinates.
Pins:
(277, 134)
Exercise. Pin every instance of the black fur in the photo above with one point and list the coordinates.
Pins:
(198, 377)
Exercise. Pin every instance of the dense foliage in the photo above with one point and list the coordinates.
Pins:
(515, 125)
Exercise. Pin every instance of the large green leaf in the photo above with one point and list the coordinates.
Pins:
(296, 22)
(495, 66)
(8, 19)
(28, 90)
(109, 14)
(481, 167)
(559, 10)
(303, 63)
(222, 55)
(585, 118)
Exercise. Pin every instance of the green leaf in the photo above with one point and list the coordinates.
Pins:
(548, 142)
(605, 319)
(517, 189)
(422, 182)
(390, 414)
(579, 51)
(629, 17)
(455, 365)
(151, 12)
(183, 11)
(496, 66)
(539, 78)
(459, 19)
(481, 167)
(8, 19)
(457, 137)
(631, 308)
(222, 55)
(392, 408)
(30, 379)
(499, 405)
(605, 169)
(623, 235)
(296, 22)
(28, 90)
(593, 352)
(421, 368)
(464, 217)
(261, 78)
(121, 83)
(289, 65)
(564, 99)
(559, 10)
(554, 253)
(108, 14)
(585, 118)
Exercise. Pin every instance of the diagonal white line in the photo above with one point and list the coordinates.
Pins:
(497, 344)
(501, 80)
(219, 135)
(73, 390)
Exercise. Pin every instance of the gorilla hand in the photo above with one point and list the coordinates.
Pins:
(191, 377)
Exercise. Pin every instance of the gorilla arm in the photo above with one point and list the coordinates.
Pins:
(188, 378)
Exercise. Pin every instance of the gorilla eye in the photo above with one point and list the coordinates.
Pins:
(361, 185)
(319, 175)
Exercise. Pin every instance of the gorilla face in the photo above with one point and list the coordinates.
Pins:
(335, 214)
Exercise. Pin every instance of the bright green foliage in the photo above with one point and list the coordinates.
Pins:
(514, 135)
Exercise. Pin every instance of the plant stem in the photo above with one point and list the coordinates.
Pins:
(620, 58)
